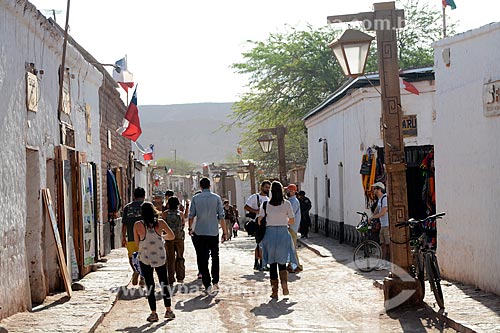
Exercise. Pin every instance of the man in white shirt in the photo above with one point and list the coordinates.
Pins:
(294, 228)
(252, 206)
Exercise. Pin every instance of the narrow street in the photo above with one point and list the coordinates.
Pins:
(328, 296)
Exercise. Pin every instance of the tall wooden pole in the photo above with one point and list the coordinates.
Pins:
(387, 51)
(251, 170)
(280, 132)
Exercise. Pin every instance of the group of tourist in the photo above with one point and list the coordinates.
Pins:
(156, 238)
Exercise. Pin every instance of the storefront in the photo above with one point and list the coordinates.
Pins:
(347, 126)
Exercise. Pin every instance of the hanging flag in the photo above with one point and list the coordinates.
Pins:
(148, 155)
(126, 85)
(170, 171)
(450, 3)
(408, 86)
(131, 128)
(121, 73)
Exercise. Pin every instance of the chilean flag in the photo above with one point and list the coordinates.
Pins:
(148, 154)
(131, 128)
(408, 86)
(450, 3)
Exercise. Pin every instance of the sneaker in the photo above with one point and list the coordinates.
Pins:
(180, 281)
(207, 290)
(169, 314)
(142, 282)
(135, 277)
(152, 318)
(199, 276)
(215, 287)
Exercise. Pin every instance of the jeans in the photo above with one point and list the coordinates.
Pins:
(294, 239)
(305, 222)
(175, 260)
(161, 271)
(207, 246)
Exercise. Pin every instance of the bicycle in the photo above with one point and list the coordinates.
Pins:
(424, 257)
(368, 254)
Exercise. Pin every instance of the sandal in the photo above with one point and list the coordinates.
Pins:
(152, 317)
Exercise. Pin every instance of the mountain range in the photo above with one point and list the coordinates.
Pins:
(195, 131)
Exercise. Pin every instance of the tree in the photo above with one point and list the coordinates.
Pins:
(292, 72)
(179, 166)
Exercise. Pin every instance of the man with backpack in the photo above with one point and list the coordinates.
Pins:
(383, 215)
(252, 206)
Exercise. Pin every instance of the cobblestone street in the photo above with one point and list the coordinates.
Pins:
(328, 296)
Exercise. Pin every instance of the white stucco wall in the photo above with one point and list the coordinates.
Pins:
(26, 37)
(466, 146)
(349, 124)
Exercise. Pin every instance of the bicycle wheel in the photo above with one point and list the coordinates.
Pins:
(367, 256)
(434, 276)
(419, 271)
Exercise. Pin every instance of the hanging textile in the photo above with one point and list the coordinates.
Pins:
(114, 201)
(368, 172)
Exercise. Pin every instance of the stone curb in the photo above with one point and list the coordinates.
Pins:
(311, 247)
(449, 321)
(99, 317)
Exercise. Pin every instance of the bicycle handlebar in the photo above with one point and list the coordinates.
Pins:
(362, 213)
(415, 222)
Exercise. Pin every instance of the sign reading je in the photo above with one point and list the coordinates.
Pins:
(491, 98)
(409, 125)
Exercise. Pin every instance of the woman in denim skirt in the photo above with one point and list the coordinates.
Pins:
(277, 244)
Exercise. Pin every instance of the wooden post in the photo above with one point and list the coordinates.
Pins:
(251, 170)
(388, 64)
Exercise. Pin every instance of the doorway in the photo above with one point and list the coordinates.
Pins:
(35, 228)
(416, 181)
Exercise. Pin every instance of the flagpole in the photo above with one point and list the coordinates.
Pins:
(444, 21)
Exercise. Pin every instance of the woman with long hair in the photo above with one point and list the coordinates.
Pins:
(277, 244)
(149, 234)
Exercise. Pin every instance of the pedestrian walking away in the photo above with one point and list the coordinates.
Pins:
(252, 206)
(383, 215)
(149, 234)
(277, 244)
(305, 219)
(294, 228)
(207, 208)
(175, 247)
(131, 214)
(236, 224)
(229, 218)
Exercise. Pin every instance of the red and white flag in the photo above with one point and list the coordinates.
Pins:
(131, 128)
(147, 153)
(408, 86)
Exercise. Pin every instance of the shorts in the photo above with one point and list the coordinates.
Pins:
(131, 248)
(384, 236)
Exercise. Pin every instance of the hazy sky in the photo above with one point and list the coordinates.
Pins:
(181, 51)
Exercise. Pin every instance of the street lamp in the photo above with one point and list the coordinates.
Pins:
(242, 174)
(385, 20)
(351, 51)
(266, 142)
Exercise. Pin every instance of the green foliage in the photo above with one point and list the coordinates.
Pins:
(290, 73)
(180, 166)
